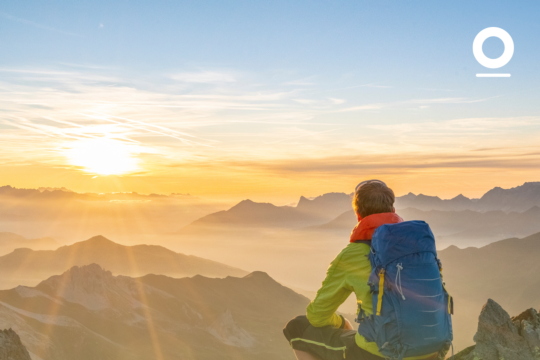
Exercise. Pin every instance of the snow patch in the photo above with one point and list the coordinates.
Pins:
(59, 320)
(27, 292)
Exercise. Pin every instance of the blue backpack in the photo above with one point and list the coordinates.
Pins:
(411, 307)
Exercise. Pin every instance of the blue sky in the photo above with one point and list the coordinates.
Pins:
(320, 78)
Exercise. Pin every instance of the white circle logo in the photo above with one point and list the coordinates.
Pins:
(508, 47)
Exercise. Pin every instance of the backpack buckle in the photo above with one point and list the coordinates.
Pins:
(360, 313)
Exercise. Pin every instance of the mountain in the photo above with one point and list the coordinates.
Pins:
(47, 193)
(11, 347)
(247, 214)
(87, 313)
(424, 202)
(505, 271)
(26, 266)
(10, 241)
(499, 213)
(331, 204)
(519, 198)
(501, 337)
(131, 217)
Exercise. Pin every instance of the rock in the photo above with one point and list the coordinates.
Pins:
(528, 325)
(11, 347)
(500, 337)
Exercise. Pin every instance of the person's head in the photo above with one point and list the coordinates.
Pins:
(373, 197)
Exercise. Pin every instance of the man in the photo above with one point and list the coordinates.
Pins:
(322, 334)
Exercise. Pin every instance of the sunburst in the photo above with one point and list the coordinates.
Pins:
(103, 156)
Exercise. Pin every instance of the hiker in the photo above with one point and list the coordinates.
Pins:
(391, 265)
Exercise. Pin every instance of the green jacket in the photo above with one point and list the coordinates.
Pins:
(349, 272)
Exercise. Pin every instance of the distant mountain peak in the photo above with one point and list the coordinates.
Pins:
(247, 201)
(531, 183)
(249, 205)
(258, 275)
(452, 248)
(91, 286)
(422, 196)
(96, 241)
(86, 274)
(100, 238)
(533, 210)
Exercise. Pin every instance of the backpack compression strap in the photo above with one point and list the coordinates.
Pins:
(381, 292)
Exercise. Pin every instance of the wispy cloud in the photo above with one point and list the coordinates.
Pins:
(423, 103)
(201, 127)
(36, 25)
(337, 101)
(364, 107)
(306, 134)
(204, 77)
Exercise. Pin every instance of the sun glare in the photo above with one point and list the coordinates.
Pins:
(103, 156)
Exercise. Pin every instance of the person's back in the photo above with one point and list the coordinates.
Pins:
(322, 334)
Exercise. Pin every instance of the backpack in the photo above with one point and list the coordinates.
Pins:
(411, 307)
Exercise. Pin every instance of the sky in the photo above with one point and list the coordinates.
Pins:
(266, 100)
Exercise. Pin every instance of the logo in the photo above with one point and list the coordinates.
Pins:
(501, 60)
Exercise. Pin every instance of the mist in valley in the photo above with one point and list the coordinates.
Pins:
(46, 233)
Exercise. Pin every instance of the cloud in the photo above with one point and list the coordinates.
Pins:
(204, 77)
(305, 101)
(348, 164)
(337, 101)
(363, 107)
(264, 130)
(422, 102)
(36, 25)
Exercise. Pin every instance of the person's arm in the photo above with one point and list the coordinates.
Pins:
(334, 291)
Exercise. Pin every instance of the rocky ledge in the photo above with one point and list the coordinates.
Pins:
(11, 347)
(500, 337)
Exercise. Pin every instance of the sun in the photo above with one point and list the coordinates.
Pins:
(103, 156)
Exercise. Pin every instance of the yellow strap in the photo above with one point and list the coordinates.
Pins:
(381, 291)
(341, 348)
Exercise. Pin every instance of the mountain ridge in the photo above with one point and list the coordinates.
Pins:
(87, 313)
(327, 207)
(473, 275)
(10, 241)
(134, 260)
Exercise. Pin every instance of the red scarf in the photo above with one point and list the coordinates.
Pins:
(366, 227)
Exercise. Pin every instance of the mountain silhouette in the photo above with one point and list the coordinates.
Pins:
(519, 198)
(249, 214)
(505, 271)
(328, 212)
(424, 202)
(87, 313)
(26, 266)
(10, 241)
(500, 336)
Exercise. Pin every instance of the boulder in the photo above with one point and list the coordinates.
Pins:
(500, 337)
(11, 347)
